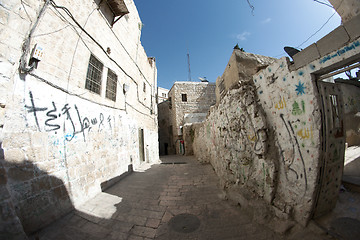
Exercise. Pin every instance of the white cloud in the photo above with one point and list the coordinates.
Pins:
(243, 36)
(266, 21)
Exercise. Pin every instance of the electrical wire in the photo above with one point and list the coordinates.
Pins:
(319, 28)
(27, 14)
(316, 31)
(70, 93)
(49, 33)
(99, 45)
(326, 4)
(26, 50)
(26, 45)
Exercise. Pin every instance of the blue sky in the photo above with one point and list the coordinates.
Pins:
(210, 29)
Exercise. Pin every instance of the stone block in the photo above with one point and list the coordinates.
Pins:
(3, 179)
(16, 140)
(4, 16)
(36, 154)
(14, 156)
(39, 139)
(333, 41)
(352, 28)
(306, 56)
(60, 192)
(4, 193)
(20, 191)
(23, 172)
(6, 211)
(40, 184)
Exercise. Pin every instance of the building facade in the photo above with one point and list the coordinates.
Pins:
(188, 103)
(78, 105)
(276, 137)
(163, 94)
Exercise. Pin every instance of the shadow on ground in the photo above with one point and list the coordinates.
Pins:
(179, 199)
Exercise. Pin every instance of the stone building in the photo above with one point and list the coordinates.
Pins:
(78, 106)
(276, 137)
(188, 103)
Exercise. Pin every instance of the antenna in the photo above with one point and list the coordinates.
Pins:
(188, 59)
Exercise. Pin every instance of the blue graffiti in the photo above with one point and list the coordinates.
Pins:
(340, 52)
(300, 88)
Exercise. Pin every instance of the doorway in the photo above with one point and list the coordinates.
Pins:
(334, 122)
(141, 145)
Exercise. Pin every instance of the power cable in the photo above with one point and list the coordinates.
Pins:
(326, 4)
(99, 45)
(317, 30)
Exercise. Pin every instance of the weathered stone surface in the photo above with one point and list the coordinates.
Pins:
(346, 9)
(198, 97)
(55, 131)
(352, 27)
(333, 41)
(241, 67)
(249, 138)
(306, 56)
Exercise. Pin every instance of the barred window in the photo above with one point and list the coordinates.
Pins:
(93, 77)
(111, 85)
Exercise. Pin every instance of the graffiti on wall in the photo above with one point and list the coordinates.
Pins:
(340, 52)
(296, 167)
(255, 137)
(300, 88)
(66, 118)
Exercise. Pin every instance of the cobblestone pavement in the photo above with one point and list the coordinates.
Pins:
(169, 201)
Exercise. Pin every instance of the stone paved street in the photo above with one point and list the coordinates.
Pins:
(144, 204)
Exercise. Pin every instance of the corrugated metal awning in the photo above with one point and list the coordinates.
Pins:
(118, 7)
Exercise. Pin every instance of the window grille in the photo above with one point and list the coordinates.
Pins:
(111, 84)
(93, 77)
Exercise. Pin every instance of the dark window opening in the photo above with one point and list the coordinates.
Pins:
(93, 76)
(144, 88)
(184, 97)
(111, 85)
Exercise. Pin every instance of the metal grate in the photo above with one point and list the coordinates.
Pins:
(111, 85)
(93, 77)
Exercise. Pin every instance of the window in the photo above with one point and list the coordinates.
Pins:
(111, 84)
(184, 97)
(93, 76)
(144, 87)
(112, 9)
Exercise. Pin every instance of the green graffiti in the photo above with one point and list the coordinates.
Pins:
(296, 108)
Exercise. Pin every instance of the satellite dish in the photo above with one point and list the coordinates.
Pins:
(203, 79)
(291, 51)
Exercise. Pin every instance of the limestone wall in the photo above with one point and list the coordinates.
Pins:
(199, 97)
(241, 65)
(264, 137)
(60, 140)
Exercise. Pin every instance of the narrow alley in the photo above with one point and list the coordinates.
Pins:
(177, 199)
